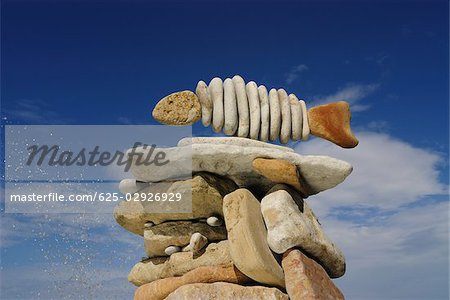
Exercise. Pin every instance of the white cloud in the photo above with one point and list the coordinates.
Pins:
(388, 172)
(387, 218)
(32, 111)
(352, 93)
(294, 73)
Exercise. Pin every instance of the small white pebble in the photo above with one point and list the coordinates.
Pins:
(149, 224)
(171, 250)
(198, 241)
(214, 221)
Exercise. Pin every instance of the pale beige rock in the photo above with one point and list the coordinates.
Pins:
(275, 115)
(197, 242)
(307, 280)
(235, 162)
(255, 110)
(205, 101)
(289, 226)
(305, 123)
(230, 108)
(178, 233)
(296, 117)
(180, 263)
(180, 108)
(215, 89)
(234, 141)
(207, 193)
(131, 186)
(226, 291)
(160, 289)
(242, 102)
(248, 239)
(265, 113)
(281, 171)
(285, 106)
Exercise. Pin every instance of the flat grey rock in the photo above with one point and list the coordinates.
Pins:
(236, 141)
(235, 162)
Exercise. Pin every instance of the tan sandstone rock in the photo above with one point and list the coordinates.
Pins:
(180, 263)
(281, 171)
(226, 291)
(247, 238)
(178, 233)
(180, 108)
(160, 289)
(306, 279)
(207, 192)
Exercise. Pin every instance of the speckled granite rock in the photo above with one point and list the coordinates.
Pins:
(180, 108)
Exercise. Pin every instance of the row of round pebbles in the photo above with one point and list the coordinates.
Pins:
(249, 110)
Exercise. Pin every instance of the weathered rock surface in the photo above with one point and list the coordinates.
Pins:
(307, 280)
(225, 291)
(296, 117)
(286, 121)
(255, 109)
(160, 289)
(234, 141)
(159, 237)
(265, 113)
(242, 103)
(205, 101)
(230, 108)
(305, 124)
(332, 122)
(215, 89)
(180, 108)
(275, 115)
(235, 162)
(207, 193)
(180, 263)
(281, 171)
(288, 227)
(248, 239)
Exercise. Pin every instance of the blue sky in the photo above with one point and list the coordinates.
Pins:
(108, 62)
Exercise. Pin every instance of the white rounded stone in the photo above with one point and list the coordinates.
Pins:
(265, 116)
(171, 250)
(255, 110)
(305, 126)
(230, 108)
(131, 186)
(285, 132)
(296, 117)
(275, 115)
(206, 102)
(214, 221)
(149, 225)
(242, 102)
(215, 89)
(197, 242)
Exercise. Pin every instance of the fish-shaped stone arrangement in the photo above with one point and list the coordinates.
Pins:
(251, 111)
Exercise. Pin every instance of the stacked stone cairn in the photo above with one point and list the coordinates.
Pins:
(251, 233)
